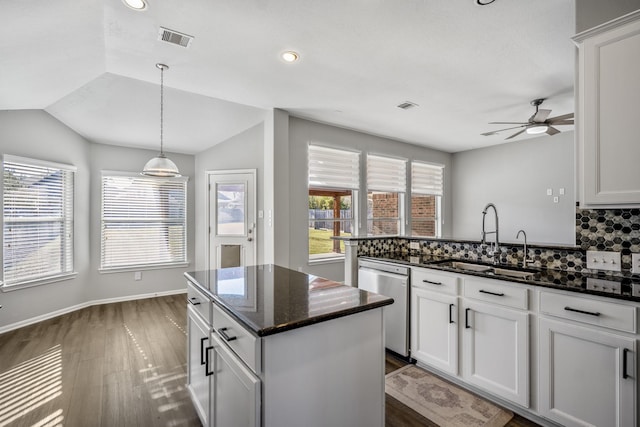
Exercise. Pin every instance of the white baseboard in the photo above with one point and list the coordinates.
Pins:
(66, 310)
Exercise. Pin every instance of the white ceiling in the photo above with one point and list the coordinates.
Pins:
(91, 64)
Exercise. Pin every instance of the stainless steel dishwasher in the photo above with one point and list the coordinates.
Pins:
(390, 280)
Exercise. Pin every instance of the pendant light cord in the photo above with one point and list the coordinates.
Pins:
(161, 110)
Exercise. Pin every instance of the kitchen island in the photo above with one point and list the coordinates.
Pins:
(269, 346)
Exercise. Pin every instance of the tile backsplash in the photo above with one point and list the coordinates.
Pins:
(596, 229)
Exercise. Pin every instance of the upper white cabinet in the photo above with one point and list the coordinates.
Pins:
(608, 96)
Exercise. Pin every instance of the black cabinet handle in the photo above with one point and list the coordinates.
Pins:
(498, 294)
(432, 283)
(624, 363)
(224, 335)
(202, 340)
(466, 318)
(207, 372)
(590, 313)
(193, 301)
(450, 315)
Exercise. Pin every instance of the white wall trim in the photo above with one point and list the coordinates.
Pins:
(66, 310)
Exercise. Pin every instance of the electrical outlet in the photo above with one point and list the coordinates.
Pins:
(549, 192)
(414, 245)
(635, 263)
(603, 260)
(137, 275)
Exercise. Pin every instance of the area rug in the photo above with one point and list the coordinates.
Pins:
(441, 402)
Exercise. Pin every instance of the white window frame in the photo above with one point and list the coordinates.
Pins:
(329, 178)
(431, 183)
(66, 248)
(136, 266)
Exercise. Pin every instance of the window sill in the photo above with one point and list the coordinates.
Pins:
(141, 268)
(326, 260)
(39, 282)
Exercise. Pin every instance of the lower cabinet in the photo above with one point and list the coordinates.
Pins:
(198, 379)
(495, 350)
(587, 376)
(235, 390)
(434, 335)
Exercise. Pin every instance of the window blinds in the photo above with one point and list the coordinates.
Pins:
(427, 179)
(386, 174)
(143, 222)
(37, 220)
(333, 168)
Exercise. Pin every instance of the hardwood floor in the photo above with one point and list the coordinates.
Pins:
(121, 364)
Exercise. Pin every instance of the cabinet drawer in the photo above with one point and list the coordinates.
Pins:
(240, 340)
(587, 310)
(434, 281)
(498, 292)
(200, 303)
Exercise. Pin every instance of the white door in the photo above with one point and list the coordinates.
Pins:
(587, 376)
(496, 350)
(434, 329)
(232, 218)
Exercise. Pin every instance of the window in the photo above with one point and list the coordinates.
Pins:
(426, 195)
(386, 185)
(334, 178)
(37, 221)
(143, 221)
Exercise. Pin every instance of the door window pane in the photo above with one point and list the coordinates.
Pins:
(231, 207)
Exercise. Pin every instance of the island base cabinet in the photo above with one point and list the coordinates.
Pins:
(197, 380)
(495, 353)
(235, 390)
(587, 377)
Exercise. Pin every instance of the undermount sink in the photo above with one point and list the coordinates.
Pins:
(480, 268)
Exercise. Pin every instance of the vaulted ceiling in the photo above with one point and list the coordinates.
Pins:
(91, 64)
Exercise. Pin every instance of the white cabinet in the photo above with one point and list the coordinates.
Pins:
(434, 335)
(198, 379)
(495, 350)
(235, 390)
(587, 376)
(607, 104)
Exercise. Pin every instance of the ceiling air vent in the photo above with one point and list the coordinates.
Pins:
(407, 105)
(174, 37)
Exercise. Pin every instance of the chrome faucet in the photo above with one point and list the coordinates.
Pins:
(525, 259)
(494, 251)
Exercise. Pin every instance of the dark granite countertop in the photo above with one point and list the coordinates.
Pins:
(604, 285)
(268, 299)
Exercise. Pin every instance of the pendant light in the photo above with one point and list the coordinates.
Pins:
(161, 166)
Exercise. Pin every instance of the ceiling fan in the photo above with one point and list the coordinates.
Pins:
(537, 124)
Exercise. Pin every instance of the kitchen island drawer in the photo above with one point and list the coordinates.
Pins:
(509, 294)
(238, 338)
(589, 310)
(434, 281)
(200, 303)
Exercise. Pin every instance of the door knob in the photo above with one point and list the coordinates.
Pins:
(249, 239)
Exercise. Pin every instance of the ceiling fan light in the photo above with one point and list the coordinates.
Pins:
(537, 130)
(161, 166)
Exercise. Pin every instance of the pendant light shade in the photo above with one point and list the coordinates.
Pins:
(161, 166)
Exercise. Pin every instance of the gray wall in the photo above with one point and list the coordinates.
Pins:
(243, 151)
(36, 134)
(515, 177)
(591, 13)
(301, 132)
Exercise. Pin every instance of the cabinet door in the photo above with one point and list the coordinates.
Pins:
(495, 353)
(197, 380)
(609, 89)
(236, 390)
(582, 376)
(434, 329)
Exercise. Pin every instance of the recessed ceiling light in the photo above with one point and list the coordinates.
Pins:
(290, 56)
(136, 4)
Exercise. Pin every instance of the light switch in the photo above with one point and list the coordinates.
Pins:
(603, 260)
(561, 191)
(549, 191)
(555, 199)
(137, 275)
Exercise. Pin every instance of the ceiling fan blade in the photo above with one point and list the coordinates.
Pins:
(515, 134)
(562, 117)
(540, 116)
(552, 131)
(508, 123)
(493, 132)
(560, 122)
